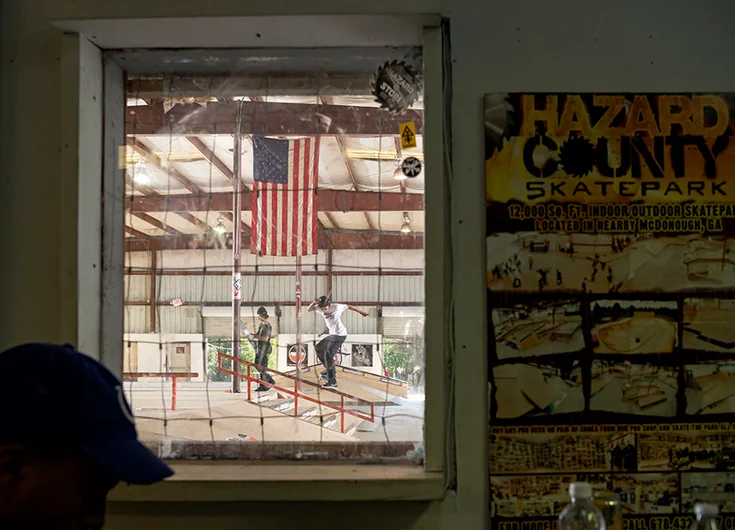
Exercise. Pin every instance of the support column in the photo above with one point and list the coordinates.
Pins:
(152, 293)
(236, 249)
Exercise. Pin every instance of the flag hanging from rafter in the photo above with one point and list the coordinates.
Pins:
(284, 197)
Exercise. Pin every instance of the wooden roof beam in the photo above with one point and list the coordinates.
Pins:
(337, 241)
(267, 118)
(150, 157)
(329, 201)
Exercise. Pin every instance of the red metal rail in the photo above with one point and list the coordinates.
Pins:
(174, 376)
(295, 392)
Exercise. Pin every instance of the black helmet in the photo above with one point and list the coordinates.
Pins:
(262, 312)
(323, 302)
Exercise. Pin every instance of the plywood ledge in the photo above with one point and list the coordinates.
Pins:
(232, 482)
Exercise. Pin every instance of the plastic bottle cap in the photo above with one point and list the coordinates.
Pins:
(580, 490)
(706, 509)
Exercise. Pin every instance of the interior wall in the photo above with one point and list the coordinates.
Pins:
(284, 340)
(152, 359)
(531, 46)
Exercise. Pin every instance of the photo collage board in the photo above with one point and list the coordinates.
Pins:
(611, 303)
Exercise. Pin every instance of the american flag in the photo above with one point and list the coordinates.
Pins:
(284, 197)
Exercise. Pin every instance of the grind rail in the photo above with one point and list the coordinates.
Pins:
(295, 392)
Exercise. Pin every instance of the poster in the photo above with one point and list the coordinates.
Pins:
(611, 303)
(362, 355)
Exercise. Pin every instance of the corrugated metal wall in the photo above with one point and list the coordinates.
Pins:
(137, 319)
(137, 288)
(254, 288)
(378, 288)
(268, 289)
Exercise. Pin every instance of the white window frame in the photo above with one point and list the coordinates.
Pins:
(93, 124)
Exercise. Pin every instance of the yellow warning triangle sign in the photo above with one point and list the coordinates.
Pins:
(408, 134)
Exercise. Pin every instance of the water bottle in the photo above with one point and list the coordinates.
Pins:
(706, 517)
(581, 513)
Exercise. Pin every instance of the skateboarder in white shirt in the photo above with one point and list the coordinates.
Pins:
(328, 347)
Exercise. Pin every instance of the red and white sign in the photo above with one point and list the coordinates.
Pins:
(236, 286)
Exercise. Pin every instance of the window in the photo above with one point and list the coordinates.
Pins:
(252, 200)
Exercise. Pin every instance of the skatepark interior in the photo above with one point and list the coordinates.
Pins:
(543, 329)
(537, 389)
(636, 262)
(184, 308)
(633, 327)
(629, 388)
(707, 324)
(709, 387)
(46, 259)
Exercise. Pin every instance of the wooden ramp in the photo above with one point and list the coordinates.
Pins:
(369, 389)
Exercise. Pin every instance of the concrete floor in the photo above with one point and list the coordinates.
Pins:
(403, 422)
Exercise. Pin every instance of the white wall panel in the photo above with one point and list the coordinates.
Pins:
(183, 319)
(137, 319)
(136, 288)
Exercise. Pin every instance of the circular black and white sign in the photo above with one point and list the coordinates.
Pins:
(292, 354)
(396, 86)
(411, 167)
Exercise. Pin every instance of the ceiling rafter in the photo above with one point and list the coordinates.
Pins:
(268, 118)
(135, 233)
(329, 201)
(158, 224)
(150, 157)
(353, 240)
(213, 159)
(193, 219)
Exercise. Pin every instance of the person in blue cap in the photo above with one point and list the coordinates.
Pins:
(67, 437)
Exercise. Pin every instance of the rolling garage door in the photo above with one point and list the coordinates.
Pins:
(218, 321)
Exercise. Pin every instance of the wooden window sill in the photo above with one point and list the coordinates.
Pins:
(230, 482)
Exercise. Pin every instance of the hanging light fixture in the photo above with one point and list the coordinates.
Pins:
(140, 174)
(406, 227)
(398, 172)
(220, 228)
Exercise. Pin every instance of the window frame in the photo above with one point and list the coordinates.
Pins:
(93, 100)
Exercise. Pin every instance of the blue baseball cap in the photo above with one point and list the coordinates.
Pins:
(57, 393)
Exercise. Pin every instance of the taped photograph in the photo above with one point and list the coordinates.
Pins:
(709, 324)
(559, 453)
(648, 493)
(689, 451)
(538, 389)
(633, 326)
(541, 328)
(627, 388)
(710, 387)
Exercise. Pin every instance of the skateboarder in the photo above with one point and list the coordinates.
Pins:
(328, 347)
(263, 336)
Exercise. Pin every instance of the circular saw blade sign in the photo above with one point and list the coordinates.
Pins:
(395, 86)
(411, 167)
